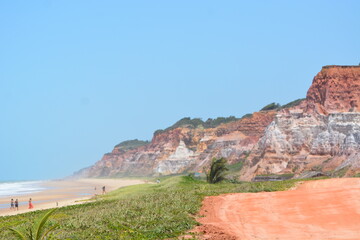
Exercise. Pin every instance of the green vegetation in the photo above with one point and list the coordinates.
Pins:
(248, 115)
(236, 167)
(277, 106)
(147, 211)
(317, 168)
(38, 231)
(198, 123)
(293, 103)
(131, 144)
(217, 170)
(357, 175)
(339, 173)
(271, 106)
(212, 123)
(284, 175)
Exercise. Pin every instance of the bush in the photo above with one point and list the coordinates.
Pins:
(217, 170)
(271, 106)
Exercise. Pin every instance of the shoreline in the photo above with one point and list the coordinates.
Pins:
(61, 193)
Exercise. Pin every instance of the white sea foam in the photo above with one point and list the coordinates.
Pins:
(9, 189)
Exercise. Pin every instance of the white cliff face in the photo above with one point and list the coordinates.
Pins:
(294, 142)
(181, 152)
(178, 161)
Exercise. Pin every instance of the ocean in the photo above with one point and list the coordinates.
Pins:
(11, 189)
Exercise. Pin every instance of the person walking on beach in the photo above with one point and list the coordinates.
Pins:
(30, 204)
(12, 204)
(17, 204)
(103, 188)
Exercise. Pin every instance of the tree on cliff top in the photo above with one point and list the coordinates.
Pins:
(217, 170)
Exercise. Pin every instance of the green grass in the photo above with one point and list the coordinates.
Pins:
(338, 173)
(147, 211)
(236, 167)
(288, 175)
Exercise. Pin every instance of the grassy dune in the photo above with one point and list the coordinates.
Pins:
(147, 211)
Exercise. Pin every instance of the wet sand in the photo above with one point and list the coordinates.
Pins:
(61, 193)
(322, 209)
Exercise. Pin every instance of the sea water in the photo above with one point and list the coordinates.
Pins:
(14, 189)
(10, 189)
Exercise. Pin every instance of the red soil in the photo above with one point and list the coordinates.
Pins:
(323, 209)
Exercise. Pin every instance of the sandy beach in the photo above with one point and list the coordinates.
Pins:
(60, 193)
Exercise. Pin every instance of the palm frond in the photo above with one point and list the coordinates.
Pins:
(39, 226)
(18, 233)
(49, 231)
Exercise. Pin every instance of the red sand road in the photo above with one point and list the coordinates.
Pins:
(319, 210)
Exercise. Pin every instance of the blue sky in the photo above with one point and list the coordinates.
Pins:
(78, 77)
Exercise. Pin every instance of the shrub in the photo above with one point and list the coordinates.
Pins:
(217, 170)
(271, 106)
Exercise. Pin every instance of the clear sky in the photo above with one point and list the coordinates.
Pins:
(78, 77)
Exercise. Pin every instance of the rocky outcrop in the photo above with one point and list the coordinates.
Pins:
(335, 89)
(320, 134)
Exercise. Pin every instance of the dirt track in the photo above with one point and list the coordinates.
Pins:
(319, 210)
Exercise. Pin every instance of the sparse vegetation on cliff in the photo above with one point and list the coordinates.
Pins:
(292, 103)
(131, 144)
(277, 106)
(248, 115)
(271, 106)
(198, 122)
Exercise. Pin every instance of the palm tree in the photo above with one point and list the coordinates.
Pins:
(38, 231)
(217, 170)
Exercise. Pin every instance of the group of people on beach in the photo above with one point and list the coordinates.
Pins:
(15, 204)
(103, 190)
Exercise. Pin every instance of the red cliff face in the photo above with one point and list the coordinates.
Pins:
(335, 89)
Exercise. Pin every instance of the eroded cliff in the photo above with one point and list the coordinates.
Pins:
(185, 149)
(321, 133)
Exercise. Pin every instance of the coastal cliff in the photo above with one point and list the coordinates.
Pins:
(185, 148)
(319, 133)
